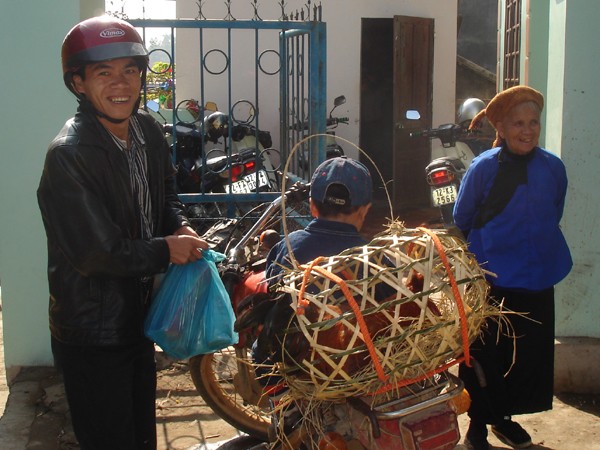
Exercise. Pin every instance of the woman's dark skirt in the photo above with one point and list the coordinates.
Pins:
(516, 360)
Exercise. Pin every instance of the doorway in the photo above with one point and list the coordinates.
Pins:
(396, 75)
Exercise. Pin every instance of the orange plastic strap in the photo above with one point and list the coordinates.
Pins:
(302, 302)
(459, 302)
(352, 302)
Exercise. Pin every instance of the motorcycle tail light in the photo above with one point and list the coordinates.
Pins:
(440, 177)
(431, 430)
(237, 171)
(461, 403)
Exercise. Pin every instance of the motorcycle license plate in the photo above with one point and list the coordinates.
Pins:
(444, 195)
(248, 183)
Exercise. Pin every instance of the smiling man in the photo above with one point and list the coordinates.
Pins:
(113, 220)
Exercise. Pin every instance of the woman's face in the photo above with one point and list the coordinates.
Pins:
(521, 128)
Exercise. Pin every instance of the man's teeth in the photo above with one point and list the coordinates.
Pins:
(119, 99)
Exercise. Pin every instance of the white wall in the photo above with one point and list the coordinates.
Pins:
(343, 18)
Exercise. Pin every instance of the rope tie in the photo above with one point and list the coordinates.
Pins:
(459, 301)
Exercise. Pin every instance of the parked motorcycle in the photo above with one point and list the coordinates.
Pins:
(448, 166)
(220, 154)
(226, 379)
(246, 140)
(421, 415)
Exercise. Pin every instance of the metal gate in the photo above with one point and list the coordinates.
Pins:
(267, 76)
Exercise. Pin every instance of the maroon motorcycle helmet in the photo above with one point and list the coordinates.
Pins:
(100, 39)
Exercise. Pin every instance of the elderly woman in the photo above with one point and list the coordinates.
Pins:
(509, 207)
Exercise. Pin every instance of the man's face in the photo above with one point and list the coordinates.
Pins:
(112, 86)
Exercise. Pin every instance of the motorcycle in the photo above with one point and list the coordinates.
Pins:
(240, 162)
(247, 141)
(448, 166)
(226, 379)
(420, 415)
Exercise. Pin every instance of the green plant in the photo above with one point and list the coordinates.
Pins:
(161, 84)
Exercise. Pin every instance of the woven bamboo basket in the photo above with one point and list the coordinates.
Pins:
(381, 316)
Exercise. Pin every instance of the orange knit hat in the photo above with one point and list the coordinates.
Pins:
(502, 103)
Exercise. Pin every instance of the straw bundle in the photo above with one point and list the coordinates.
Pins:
(378, 317)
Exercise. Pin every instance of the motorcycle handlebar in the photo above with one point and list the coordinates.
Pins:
(447, 129)
(447, 133)
(331, 121)
(298, 192)
(335, 120)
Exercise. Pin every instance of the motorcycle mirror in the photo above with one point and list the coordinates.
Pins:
(152, 105)
(412, 114)
(210, 106)
(339, 101)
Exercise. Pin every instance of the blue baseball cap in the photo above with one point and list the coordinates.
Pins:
(349, 173)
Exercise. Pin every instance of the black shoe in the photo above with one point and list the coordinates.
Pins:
(477, 444)
(513, 434)
(476, 438)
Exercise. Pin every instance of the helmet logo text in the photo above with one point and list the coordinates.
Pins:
(112, 32)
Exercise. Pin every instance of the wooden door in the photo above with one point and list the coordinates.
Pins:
(412, 90)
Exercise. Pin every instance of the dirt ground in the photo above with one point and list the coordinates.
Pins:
(183, 419)
(185, 422)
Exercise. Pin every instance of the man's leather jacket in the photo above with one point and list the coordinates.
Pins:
(96, 257)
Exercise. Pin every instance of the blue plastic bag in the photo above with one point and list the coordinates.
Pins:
(191, 313)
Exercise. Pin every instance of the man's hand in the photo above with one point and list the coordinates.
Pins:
(186, 231)
(184, 248)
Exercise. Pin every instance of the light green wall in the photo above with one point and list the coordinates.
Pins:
(537, 28)
(556, 48)
(35, 106)
(573, 125)
(561, 58)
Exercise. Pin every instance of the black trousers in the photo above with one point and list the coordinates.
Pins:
(517, 360)
(111, 393)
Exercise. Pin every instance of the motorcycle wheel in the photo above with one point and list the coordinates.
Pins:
(214, 376)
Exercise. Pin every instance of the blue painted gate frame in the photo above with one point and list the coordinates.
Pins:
(302, 98)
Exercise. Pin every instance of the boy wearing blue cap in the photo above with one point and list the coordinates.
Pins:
(340, 198)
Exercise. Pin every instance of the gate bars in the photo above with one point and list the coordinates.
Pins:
(291, 112)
